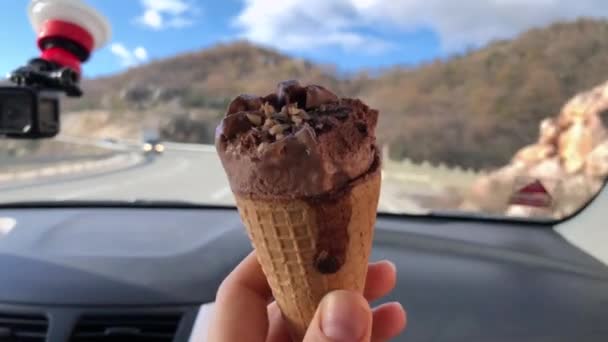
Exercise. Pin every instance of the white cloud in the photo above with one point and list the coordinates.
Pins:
(120, 51)
(169, 6)
(152, 19)
(162, 14)
(140, 53)
(299, 25)
(129, 58)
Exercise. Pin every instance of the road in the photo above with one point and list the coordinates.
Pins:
(182, 173)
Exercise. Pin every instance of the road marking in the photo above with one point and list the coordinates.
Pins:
(130, 181)
(223, 192)
(385, 203)
(83, 193)
(7, 177)
(48, 171)
(27, 175)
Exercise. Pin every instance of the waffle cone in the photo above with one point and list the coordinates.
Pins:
(291, 239)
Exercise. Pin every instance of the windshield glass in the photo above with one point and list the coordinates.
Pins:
(486, 108)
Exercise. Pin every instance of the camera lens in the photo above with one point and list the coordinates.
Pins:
(15, 113)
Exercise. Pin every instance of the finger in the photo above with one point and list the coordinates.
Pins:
(277, 326)
(390, 320)
(341, 316)
(381, 279)
(241, 304)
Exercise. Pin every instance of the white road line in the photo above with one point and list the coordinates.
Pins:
(385, 203)
(113, 187)
(223, 192)
(7, 177)
(82, 193)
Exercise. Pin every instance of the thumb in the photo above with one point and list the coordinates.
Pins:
(342, 316)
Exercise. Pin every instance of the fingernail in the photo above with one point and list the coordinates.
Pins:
(391, 264)
(343, 317)
(386, 262)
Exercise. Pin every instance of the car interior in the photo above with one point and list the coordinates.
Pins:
(67, 278)
(117, 221)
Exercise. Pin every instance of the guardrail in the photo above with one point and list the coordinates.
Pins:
(62, 169)
(405, 170)
(190, 147)
(116, 155)
(104, 144)
(409, 171)
(129, 144)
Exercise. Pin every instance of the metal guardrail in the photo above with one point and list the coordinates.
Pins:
(66, 168)
(190, 147)
(405, 170)
(117, 154)
(129, 144)
(104, 144)
(425, 172)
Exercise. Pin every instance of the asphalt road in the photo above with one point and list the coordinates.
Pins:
(191, 174)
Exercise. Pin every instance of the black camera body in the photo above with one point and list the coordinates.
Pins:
(27, 113)
(30, 108)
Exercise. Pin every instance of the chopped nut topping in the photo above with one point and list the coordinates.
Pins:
(267, 109)
(279, 116)
(297, 119)
(254, 119)
(278, 128)
(263, 123)
(293, 110)
(269, 123)
(262, 147)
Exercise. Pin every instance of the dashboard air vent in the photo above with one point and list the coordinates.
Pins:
(22, 328)
(126, 327)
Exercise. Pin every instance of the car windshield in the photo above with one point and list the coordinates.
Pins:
(486, 108)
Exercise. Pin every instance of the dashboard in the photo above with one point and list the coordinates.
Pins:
(142, 274)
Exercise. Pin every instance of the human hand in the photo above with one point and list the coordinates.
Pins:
(243, 312)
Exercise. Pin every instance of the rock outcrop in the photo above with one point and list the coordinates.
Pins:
(570, 158)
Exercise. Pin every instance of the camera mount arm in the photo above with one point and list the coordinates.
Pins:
(45, 75)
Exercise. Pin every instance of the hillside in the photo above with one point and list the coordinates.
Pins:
(482, 106)
(186, 95)
(474, 110)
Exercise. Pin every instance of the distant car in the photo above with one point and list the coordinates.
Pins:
(153, 146)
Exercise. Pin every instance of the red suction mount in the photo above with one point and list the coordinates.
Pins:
(68, 31)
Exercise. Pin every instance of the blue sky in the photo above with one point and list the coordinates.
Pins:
(350, 34)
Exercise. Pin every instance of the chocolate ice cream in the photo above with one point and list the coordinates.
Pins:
(305, 173)
(297, 142)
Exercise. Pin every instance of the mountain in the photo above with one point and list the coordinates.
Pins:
(186, 95)
(475, 109)
(482, 106)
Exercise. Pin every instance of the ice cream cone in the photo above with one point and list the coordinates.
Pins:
(310, 246)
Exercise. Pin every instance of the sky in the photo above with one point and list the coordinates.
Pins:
(351, 34)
